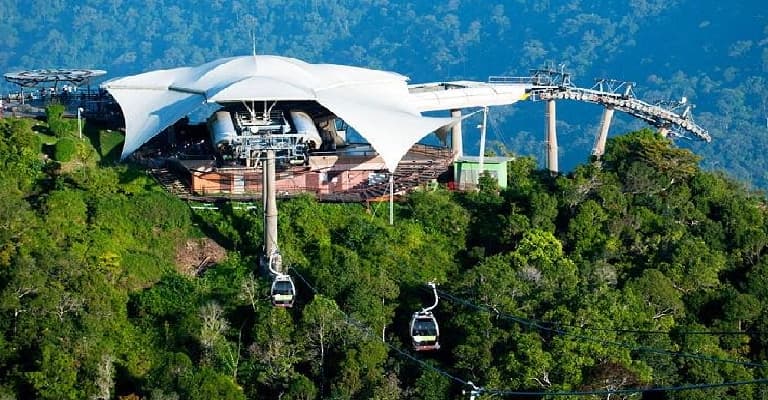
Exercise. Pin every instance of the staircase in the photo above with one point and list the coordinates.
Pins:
(170, 181)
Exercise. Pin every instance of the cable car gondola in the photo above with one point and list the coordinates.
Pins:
(424, 329)
(283, 291)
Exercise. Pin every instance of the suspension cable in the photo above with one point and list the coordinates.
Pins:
(367, 332)
(476, 390)
(607, 392)
(537, 325)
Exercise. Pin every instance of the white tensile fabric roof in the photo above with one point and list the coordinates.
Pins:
(376, 103)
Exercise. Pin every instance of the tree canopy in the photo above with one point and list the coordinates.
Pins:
(638, 271)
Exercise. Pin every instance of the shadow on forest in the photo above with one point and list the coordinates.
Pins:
(215, 228)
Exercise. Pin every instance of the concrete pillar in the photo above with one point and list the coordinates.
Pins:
(481, 167)
(270, 205)
(602, 134)
(551, 136)
(457, 143)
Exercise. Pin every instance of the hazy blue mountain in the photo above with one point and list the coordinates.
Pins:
(714, 53)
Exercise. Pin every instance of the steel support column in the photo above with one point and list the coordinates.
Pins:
(270, 204)
(602, 135)
(551, 137)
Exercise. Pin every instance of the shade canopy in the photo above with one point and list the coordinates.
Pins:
(375, 103)
(34, 77)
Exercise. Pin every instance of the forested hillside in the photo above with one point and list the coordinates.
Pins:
(714, 53)
(640, 272)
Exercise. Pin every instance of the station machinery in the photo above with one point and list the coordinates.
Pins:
(240, 136)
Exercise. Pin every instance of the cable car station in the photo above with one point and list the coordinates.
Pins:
(276, 126)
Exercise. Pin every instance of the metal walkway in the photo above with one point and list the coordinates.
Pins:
(549, 84)
(672, 118)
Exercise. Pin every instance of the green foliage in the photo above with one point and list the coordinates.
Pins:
(54, 116)
(276, 349)
(66, 214)
(543, 211)
(521, 176)
(439, 216)
(694, 265)
(658, 293)
(56, 376)
(587, 231)
(108, 144)
(19, 153)
(560, 284)
(431, 386)
(301, 388)
(174, 299)
(487, 183)
(17, 230)
(324, 326)
(65, 150)
(207, 384)
(742, 308)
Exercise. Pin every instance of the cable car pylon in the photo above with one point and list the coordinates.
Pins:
(283, 291)
(424, 330)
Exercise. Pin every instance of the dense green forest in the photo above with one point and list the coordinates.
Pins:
(715, 53)
(640, 271)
